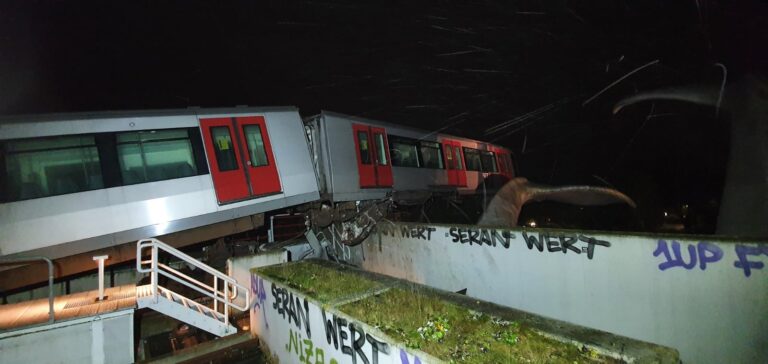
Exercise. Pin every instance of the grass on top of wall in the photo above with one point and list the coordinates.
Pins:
(454, 333)
(319, 281)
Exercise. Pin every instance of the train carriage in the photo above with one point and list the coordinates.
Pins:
(79, 182)
(361, 159)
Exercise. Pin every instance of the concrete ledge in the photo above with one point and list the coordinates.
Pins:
(321, 312)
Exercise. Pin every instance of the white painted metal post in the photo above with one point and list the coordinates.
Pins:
(101, 259)
(216, 293)
(154, 273)
(226, 303)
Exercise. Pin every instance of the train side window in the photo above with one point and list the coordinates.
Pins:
(457, 153)
(37, 168)
(255, 142)
(472, 159)
(155, 155)
(365, 150)
(381, 149)
(431, 155)
(488, 160)
(404, 152)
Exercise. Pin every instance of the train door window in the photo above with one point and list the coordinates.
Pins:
(155, 155)
(488, 161)
(459, 162)
(384, 176)
(224, 148)
(381, 149)
(431, 155)
(365, 152)
(448, 157)
(472, 158)
(37, 168)
(255, 143)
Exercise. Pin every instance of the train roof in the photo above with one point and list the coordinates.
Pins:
(400, 126)
(22, 118)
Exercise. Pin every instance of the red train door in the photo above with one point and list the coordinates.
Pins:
(261, 169)
(382, 161)
(240, 156)
(501, 166)
(450, 163)
(457, 175)
(372, 151)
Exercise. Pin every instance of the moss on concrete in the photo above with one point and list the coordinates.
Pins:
(318, 280)
(454, 333)
(421, 319)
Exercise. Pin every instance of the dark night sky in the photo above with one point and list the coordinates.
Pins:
(467, 65)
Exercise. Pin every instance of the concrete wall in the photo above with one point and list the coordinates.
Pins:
(304, 332)
(98, 339)
(704, 296)
(239, 268)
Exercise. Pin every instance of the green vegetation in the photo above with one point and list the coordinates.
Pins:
(424, 321)
(319, 281)
(456, 334)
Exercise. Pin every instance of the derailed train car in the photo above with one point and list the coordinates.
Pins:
(75, 183)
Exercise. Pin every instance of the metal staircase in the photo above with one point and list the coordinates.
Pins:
(214, 319)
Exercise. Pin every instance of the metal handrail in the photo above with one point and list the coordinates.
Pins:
(14, 260)
(225, 296)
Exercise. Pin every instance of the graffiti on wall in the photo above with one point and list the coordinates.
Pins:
(347, 340)
(289, 306)
(259, 297)
(549, 242)
(559, 242)
(338, 330)
(702, 254)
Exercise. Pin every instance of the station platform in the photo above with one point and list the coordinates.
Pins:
(83, 304)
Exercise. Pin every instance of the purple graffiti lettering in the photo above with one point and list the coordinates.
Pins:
(715, 254)
(743, 252)
(404, 358)
(260, 296)
(677, 261)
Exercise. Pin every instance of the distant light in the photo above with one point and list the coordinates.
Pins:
(246, 328)
(665, 214)
(532, 223)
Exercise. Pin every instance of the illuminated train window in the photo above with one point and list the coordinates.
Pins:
(381, 149)
(44, 167)
(365, 150)
(255, 142)
(404, 151)
(156, 155)
(224, 149)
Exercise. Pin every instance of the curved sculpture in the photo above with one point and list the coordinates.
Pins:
(504, 208)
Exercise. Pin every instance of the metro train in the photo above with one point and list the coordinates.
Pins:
(74, 183)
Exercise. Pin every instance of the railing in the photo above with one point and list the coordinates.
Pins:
(225, 295)
(14, 260)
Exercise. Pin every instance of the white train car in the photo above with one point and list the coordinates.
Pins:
(361, 159)
(78, 182)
